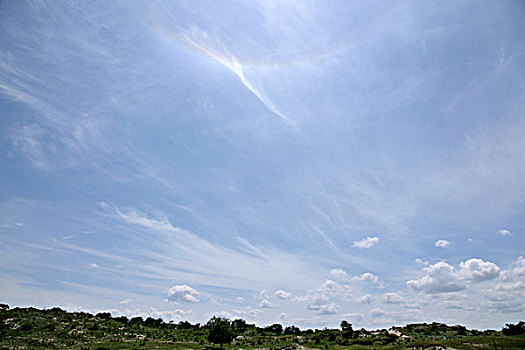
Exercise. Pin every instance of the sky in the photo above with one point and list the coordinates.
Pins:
(294, 162)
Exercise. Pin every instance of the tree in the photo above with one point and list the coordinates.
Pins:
(239, 325)
(220, 330)
(292, 330)
(347, 329)
(514, 329)
(274, 328)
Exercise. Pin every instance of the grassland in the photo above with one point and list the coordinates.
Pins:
(30, 328)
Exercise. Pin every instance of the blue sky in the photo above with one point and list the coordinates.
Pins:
(298, 162)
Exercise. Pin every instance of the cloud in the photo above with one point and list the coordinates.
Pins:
(125, 302)
(478, 270)
(516, 270)
(170, 315)
(393, 298)
(93, 266)
(183, 293)
(377, 312)
(338, 273)
(317, 301)
(422, 262)
(505, 233)
(366, 243)
(367, 277)
(263, 294)
(283, 316)
(443, 277)
(353, 316)
(281, 294)
(239, 300)
(215, 49)
(442, 243)
(247, 312)
(266, 304)
(440, 278)
(328, 309)
(365, 299)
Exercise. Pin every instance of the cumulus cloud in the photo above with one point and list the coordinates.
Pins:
(440, 278)
(479, 270)
(281, 294)
(239, 300)
(366, 243)
(365, 299)
(283, 316)
(377, 312)
(183, 293)
(443, 277)
(338, 273)
(504, 233)
(367, 277)
(247, 312)
(328, 309)
(516, 270)
(317, 301)
(171, 315)
(442, 243)
(393, 298)
(422, 262)
(263, 294)
(266, 304)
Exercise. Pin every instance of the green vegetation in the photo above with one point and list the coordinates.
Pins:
(31, 328)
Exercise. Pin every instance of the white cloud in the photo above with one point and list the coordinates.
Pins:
(263, 294)
(366, 243)
(93, 266)
(422, 262)
(328, 309)
(511, 286)
(266, 304)
(504, 233)
(440, 278)
(338, 273)
(247, 312)
(367, 277)
(442, 243)
(365, 299)
(215, 49)
(377, 312)
(478, 270)
(443, 277)
(125, 302)
(281, 294)
(183, 293)
(171, 315)
(353, 316)
(516, 270)
(317, 301)
(393, 298)
(239, 300)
